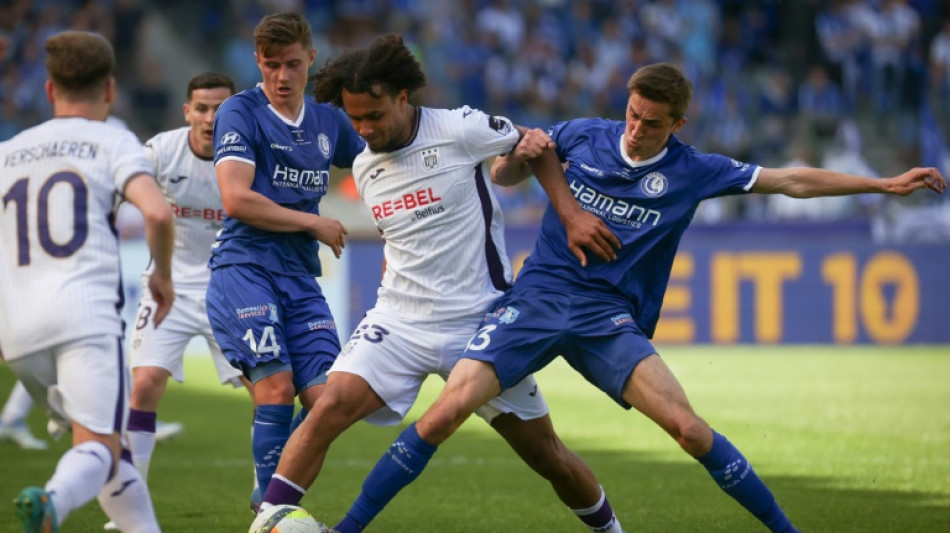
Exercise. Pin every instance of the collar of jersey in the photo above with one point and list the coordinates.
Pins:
(637, 164)
(295, 123)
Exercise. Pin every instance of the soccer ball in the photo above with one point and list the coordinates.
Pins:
(286, 519)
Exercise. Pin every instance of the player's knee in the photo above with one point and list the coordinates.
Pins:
(274, 393)
(148, 387)
(694, 436)
(439, 423)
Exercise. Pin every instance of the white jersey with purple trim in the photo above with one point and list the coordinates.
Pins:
(59, 257)
(432, 202)
(189, 184)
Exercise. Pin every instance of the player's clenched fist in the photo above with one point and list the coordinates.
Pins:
(533, 144)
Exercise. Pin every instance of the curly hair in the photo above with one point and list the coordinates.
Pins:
(386, 67)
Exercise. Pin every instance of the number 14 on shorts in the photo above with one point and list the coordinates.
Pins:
(267, 345)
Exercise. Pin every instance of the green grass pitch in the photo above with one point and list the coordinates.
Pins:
(850, 439)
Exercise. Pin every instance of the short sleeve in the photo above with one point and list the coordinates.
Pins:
(233, 137)
(725, 176)
(129, 158)
(485, 135)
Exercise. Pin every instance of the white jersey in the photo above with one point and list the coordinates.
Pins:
(189, 184)
(442, 227)
(59, 258)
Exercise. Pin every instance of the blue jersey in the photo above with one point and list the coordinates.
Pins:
(292, 167)
(647, 204)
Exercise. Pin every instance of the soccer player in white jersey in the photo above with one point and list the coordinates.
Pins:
(60, 288)
(182, 160)
(424, 175)
(638, 178)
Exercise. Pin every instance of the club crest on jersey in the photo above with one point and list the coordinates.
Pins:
(230, 137)
(654, 185)
(430, 159)
(507, 315)
(324, 143)
(273, 314)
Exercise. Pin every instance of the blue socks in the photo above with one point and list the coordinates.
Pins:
(733, 473)
(399, 466)
(298, 419)
(271, 431)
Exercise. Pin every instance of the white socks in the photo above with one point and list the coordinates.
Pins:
(80, 474)
(142, 444)
(126, 501)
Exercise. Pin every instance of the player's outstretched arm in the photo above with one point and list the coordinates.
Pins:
(806, 182)
(255, 209)
(142, 191)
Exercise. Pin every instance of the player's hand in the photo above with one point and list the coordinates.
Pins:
(330, 232)
(585, 230)
(534, 143)
(163, 292)
(917, 178)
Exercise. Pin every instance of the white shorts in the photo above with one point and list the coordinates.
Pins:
(395, 356)
(164, 346)
(84, 381)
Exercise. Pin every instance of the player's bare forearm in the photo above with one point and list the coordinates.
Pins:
(506, 171)
(513, 168)
(585, 231)
(259, 211)
(805, 182)
(142, 192)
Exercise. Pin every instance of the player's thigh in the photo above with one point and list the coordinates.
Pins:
(608, 362)
(164, 346)
(521, 336)
(394, 356)
(37, 373)
(242, 304)
(227, 373)
(312, 340)
(92, 384)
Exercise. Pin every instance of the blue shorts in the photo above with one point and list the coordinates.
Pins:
(266, 323)
(530, 327)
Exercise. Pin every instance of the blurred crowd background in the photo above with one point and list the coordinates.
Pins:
(858, 86)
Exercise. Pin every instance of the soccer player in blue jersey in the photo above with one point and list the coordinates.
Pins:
(273, 148)
(599, 315)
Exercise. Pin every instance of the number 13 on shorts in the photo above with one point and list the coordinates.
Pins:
(481, 339)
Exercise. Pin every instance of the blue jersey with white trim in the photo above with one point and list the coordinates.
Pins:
(291, 167)
(647, 204)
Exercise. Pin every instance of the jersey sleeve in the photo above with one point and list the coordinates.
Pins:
(724, 176)
(129, 159)
(564, 135)
(233, 136)
(485, 135)
(349, 143)
(154, 153)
